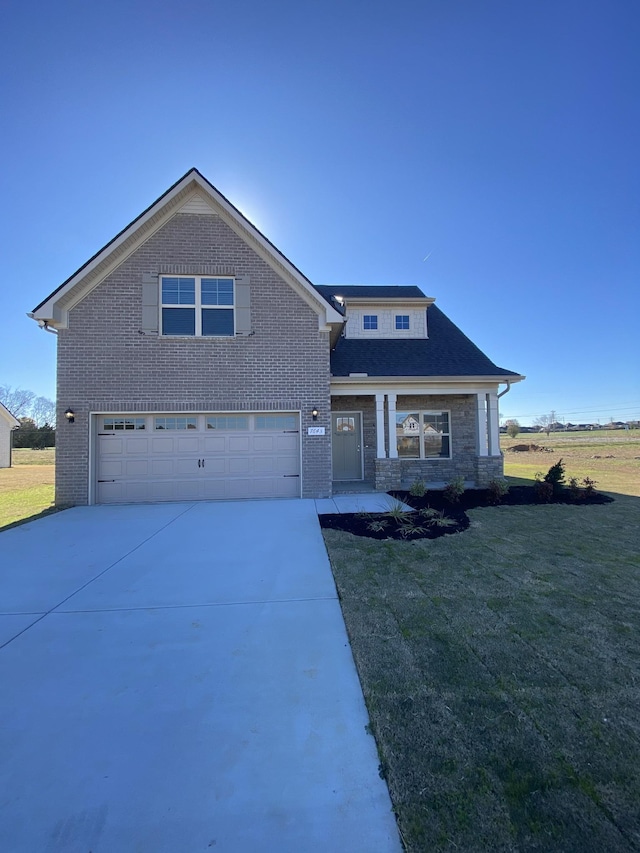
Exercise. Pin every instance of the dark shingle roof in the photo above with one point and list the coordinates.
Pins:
(446, 352)
(373, 291)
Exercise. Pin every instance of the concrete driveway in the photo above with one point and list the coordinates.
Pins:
(178, 678)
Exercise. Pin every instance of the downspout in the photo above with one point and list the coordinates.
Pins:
(44, 324)
(506, 390)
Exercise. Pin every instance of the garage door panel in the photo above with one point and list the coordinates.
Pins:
(236, 461)
(162, 445)
(215, 444)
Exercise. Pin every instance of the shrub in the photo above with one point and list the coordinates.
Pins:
(574, 488)
(544, 489)
(377, 525)
(418, 489)
(454, 490)
(498, 488)
(555, 477)
(589, 486)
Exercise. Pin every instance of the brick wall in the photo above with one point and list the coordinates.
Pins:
(106, 364)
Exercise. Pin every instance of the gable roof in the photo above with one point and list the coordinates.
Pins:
(192, 188)
(446, 352)
(371, 291)
(6, 415)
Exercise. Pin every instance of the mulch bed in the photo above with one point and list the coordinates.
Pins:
(367, 524)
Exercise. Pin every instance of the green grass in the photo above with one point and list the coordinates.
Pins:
(26, 489)
(500, 671)
(584, 454)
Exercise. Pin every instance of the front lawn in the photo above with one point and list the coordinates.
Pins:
(500, 668)
(26, 489)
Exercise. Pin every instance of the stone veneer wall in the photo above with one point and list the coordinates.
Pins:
(401, 473)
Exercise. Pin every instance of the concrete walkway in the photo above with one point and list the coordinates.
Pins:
(366, 502)
(178, 678)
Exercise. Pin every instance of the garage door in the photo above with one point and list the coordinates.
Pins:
(168, 457)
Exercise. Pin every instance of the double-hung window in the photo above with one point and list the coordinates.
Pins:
(402, 321)
(423, 435)
(198, 306)
(370, 321)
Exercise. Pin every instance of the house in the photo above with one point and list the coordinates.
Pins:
(195, 361)
(7, 424)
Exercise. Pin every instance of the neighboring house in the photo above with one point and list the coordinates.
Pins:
(195, 361)
(7, 424)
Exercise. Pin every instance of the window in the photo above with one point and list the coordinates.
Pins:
(370, 321)
(175, 423)
(345, 424)
(228, 422)
(123, 423)
(402, 321)
(281, 422)
(198, 306)
(423, 435)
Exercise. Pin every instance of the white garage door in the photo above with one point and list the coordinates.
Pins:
(197, 457)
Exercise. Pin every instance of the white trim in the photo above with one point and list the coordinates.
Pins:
(493, 424)
(381, 452)
(112, 255)
(13, 422)
(392, 400)
(482, 446)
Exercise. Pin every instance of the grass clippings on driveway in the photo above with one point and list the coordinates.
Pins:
(500, 669)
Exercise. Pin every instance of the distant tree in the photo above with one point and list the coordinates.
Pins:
(25, 404)
(29, 434)
(513, 428)
(545, 422)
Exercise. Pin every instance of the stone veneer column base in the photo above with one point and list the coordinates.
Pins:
(387, 474)
(488, 468)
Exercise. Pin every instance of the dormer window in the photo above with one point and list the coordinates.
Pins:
(402, 321)
(370, 321)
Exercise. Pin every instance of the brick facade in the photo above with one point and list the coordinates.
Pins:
(105, 362)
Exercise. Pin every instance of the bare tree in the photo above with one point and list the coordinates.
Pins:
(17, 400)
(24, 404)
(545, 422)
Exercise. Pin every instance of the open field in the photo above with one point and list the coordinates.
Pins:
(616, 470)
(26, 489)
(501, 670)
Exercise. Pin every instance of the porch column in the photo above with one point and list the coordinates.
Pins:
(493, 424)
(481, 424)
(380, 451)
(391, 415)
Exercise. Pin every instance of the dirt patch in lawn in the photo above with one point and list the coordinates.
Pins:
(433, 515)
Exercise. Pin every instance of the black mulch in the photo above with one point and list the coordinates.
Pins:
(378, 525)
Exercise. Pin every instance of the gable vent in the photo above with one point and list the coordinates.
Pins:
(197, 204)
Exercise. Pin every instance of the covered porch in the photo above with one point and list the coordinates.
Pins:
(389, 437)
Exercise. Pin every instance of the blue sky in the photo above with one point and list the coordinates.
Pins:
(498, 140)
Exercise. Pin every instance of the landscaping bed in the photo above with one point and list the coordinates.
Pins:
(435, 514)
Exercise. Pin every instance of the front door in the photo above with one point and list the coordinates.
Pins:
(346, 444)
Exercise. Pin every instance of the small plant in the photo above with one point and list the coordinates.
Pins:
(574, 488)
(555, 476)
(498, 488)
(454, 490)
(410, 526)
(442, 520)
(377, 525)
(428, 513)
(418, 489)
(589, 486)
(397, 511)
(544, 489)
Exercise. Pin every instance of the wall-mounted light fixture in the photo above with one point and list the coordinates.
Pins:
(314, 413)
(70, 415)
